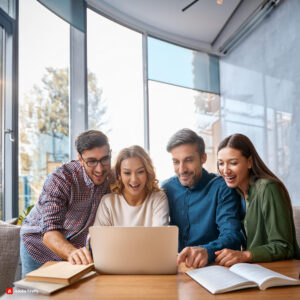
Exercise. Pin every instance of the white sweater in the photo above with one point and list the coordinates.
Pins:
(114, 210)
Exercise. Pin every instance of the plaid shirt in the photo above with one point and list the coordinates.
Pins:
(68, 203)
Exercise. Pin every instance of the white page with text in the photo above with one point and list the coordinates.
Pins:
(260, 275)
(219, 279)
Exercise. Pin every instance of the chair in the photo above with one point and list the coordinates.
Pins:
(9, 254)
(296, 211)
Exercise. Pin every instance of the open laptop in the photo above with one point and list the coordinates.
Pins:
(135, 250)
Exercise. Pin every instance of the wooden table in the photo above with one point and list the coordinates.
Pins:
(179, 286)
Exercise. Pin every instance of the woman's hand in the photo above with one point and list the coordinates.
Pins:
(228, 257)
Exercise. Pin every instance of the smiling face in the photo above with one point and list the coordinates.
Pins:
(99, 173)
(234, 168)
(187, 164)
(134, 178)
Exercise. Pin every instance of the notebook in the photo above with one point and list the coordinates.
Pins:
(134, 250)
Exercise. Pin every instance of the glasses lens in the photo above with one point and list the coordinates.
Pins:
(92, 163)
(105, 161)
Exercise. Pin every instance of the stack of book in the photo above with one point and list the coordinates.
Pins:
(54, 276)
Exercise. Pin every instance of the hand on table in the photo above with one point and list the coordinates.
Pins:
(228, 257)
(80, 256)
(195, 257)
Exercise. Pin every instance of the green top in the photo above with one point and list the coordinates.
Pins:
(269, 223)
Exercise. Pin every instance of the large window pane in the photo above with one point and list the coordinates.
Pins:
(183, 67)
(173, 108)
(43, 97)
(8, 6)
(115, 81)
(260, 93)
(1, 122)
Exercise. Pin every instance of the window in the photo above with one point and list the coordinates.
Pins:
(173, 108)
(115, 81)
(8, 111)
(183, 88)
(8, 6)
(43, 97)
(2, 117)
(182, 67)
(183, 93)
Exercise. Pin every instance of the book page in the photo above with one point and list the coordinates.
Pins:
(262, 276)
(218, 279)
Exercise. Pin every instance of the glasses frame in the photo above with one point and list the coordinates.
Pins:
(108, 157)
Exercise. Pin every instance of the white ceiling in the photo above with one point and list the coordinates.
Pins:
(203, 26)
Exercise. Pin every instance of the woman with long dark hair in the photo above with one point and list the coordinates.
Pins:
(268, 221)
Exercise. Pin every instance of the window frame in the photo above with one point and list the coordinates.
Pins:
(10, 112)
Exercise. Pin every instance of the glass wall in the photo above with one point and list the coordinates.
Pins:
(173, 108)
(115, 81)
(183, 89)
(182, 67)
(43, 97)
(8, 6)
(1, 119)
(260, 88)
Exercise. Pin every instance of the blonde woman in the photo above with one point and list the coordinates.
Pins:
(136, 199)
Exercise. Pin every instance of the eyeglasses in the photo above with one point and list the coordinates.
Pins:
(104, 161)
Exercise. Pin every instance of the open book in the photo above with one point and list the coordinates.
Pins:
(218, 279)
(61, 272)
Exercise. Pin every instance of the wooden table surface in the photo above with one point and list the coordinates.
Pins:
(178, 286)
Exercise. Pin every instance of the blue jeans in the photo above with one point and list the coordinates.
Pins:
(28, 263)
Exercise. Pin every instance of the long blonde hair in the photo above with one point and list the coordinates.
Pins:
(135, 151)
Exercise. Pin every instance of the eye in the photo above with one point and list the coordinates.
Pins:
(220, 164)
(175, 162)
(189, 160)
(126, 173)
(105, 159)
(141, 172)
(234, 163)
(92, 162)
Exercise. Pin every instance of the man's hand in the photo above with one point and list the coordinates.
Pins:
(80, 256)
(57, 242)
(228, 257)
(195, 257)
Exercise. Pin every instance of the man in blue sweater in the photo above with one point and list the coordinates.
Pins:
(206, 211)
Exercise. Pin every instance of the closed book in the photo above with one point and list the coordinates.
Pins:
(46, 288)
(61, 272)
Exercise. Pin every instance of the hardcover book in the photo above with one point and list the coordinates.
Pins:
(61, 272)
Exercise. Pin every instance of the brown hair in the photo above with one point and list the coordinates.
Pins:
(186, 136)
(139, 152)
(90, 139)
(259, 169)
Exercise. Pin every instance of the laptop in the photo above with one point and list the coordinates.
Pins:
(135, 250)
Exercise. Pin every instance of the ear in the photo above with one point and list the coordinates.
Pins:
(80, 159)
(250, 162)
(203, 158)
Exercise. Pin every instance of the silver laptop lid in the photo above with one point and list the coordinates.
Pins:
(135, 250)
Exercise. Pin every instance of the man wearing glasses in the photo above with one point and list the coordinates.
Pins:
(57, 226)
